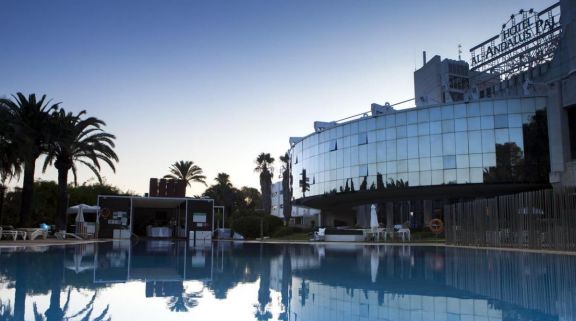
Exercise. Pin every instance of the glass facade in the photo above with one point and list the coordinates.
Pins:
(486, 141)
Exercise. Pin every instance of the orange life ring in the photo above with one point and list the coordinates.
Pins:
(436, 226)
(105, 213)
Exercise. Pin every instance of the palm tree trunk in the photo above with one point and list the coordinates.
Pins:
(27, 193)
(55, 312)
(62, 203)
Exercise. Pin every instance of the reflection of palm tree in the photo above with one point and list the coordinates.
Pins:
(60, 314)
(184, 301)
(6, 311)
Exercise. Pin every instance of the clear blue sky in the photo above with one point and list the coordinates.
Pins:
(219, 81)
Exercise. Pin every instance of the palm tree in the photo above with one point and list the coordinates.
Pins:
(223, 192)
(186, 171)
(286, 188)
(264, 167)
(77, 140)
(28, 119)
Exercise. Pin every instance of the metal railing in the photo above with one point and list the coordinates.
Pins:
(543, 219)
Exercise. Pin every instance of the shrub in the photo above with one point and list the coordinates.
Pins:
(249, 226)
(283, 231)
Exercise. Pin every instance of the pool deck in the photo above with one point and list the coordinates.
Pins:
(51, 242)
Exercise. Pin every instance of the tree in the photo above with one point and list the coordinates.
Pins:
(223, 192)
(73, 140)
(28, 120)
(304, 183)
(286, 188)
(186, 171)
(264, 167)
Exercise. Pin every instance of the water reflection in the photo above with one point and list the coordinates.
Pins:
(165, 279)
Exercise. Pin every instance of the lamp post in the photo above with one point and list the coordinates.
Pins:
(261, 212)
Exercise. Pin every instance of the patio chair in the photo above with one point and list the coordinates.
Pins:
(39, 232)
(10, 232)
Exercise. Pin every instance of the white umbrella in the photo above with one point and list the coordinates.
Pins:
(374, 262)
(80, 216)
(373, 217)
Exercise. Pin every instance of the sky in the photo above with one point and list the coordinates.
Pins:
(220, 81)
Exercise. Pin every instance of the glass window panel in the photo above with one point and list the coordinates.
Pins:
(333, 158)
(450, 176)
(475, 160)
(528, 105)
(540, 103)
(449, 162)
(363, 154)
(476, 175)
(381, 151)
(340, 173)
(423, 116)
(436, 145)
(435, 113)
(488, 141)
(424, 146)
(390, 121)
(517, 137)
(414, 179)
(391, 133)
(448, 144)
(437, 177)
(391, 167)
(346, 130)
(391, 176)
(363, 170)
(381, 122)
(413, 165)
(461, 124)
(362, 126)
(372, 169)
(501, 121)
(413, 150)
(527, 118)
(475, 141)
(339, 158)
(346, 141)
(400, 119)
(333, 133)
(381, 135)
(473, 109)
(435, 127)
(463, 175)
(402, 166)
(461, 143)
(436, 163)
(462, 161)
(401, 131)
(500, 107)
(339, 131)
(354, 128)
(381, 168)
(474, 123)
(425, 164)
(403, 176)
(412, 130)
(372, 153)
(362, 138)
(402, 148)
(486, 108)
(514, 106)
(346, 157)
(371, 124)
(501, 136)
(423, 129)
(347, 172)
(371, 136)
(412, 117)
(487, 122)
(489, 159)
(333, 145)
(354, 155)
(425, 178)
(448, 126)
(460, 111)
(448, 112)
(391, 150)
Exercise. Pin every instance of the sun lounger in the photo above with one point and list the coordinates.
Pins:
(10, 232)
(63, 235)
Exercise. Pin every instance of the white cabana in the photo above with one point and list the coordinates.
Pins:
(83, 227)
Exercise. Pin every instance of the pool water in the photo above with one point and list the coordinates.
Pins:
(176, 280)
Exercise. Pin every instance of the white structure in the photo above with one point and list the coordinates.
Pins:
(300, 215)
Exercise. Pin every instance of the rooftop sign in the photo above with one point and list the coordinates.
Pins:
(528, 38)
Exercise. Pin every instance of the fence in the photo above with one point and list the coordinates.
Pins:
(543, 219)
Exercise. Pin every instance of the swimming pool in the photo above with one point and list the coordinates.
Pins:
(167, 280)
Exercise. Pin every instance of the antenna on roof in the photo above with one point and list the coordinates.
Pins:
(459, 51)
